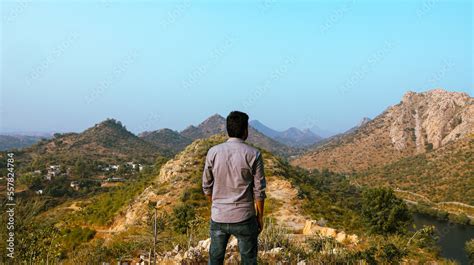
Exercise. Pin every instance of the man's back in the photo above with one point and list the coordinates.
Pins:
(234, 176)
(234, 180)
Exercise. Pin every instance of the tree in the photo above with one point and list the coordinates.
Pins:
(384, 212)
(183, 215)
(80, 168)
(83, 168)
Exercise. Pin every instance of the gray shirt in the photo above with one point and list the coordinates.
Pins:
(234, 175)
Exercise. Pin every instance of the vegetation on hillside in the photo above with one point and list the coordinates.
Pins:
(443, 175)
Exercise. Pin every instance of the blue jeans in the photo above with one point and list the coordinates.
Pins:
(246, 233)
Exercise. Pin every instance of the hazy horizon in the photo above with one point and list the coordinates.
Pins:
(67, 66)
(149, 124)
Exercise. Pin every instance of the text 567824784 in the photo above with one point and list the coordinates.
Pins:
(10, 205)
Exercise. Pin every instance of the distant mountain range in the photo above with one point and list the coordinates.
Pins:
(110, 141)
(291, 137)
(217, 124)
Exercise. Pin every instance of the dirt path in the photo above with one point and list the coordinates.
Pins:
(289, 213)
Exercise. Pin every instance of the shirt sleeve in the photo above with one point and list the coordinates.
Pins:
(260, 182)
(207, 176)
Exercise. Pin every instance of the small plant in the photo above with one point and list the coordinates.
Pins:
(182, 217)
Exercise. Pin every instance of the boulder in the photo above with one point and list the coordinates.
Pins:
(328, 232)
(311, 227)
(204, 244)
(354, 239)
(232, 244)
(341, 237)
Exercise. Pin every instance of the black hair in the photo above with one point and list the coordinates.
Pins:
(237, 123)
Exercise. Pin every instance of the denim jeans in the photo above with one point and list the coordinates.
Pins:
(246, 233)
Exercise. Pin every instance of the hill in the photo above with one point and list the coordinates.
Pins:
(166, 139)
(421, 122)
(216, 124)
(443, 175)
(107, 141)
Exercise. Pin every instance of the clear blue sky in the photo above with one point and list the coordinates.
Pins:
(154, 64)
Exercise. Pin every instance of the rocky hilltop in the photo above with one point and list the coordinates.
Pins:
(421, 122)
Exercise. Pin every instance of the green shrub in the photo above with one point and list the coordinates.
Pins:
(391, 254)
(73, 237)
(182, 217)
(384, 212)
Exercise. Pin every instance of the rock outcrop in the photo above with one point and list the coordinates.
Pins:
(421, 122)
(313, 228)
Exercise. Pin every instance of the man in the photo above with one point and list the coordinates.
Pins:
(234, 182)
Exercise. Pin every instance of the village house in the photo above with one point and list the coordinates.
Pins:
(115, 179)
(75, 185)
(114, 167)
(53, 171)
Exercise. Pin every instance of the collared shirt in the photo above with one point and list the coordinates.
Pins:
(234, 175)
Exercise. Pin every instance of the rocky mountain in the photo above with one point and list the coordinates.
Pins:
(421, 122)
(166, 139)
(217, 124)
(292, 136)
(108, 140)
(213, 125)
